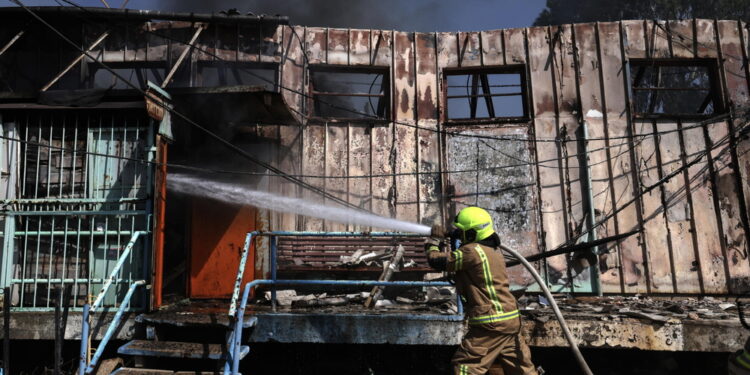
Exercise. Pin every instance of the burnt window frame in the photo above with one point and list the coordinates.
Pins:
(716, 91)
(386, 85)
(519, 69)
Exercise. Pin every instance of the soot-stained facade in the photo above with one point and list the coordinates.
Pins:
(639, 124)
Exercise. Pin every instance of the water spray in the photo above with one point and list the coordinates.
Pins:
(242, 195)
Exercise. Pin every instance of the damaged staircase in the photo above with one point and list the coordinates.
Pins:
(180, 344)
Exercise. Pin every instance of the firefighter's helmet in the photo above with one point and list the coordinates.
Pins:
(474, 223)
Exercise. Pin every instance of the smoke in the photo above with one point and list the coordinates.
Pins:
(234, 193)
(383, 14)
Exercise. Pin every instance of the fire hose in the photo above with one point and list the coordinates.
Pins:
(566, 331)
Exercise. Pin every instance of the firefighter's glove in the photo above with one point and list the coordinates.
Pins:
(432, 244)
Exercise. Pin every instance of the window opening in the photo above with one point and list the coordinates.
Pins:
(213, 74)
(350, 94)
(675, 89)
(486, 94)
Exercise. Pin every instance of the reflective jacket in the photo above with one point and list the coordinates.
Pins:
(483, 283)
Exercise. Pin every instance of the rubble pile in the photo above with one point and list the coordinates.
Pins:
(429, 299)
(617, 308)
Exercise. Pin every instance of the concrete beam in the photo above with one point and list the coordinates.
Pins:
(41, 325)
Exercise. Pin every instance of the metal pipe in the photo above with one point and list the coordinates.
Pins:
(566, 331)
(234, 348)
(273, 272)
(6, 330)
(116, 270)
(58, 325)
(596, 283)
(84, 340)
(113, 326)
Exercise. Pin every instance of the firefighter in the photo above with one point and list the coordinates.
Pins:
(739, 362)
(494, 322)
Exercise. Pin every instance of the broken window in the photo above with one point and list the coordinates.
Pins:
(670, 88)
(486, 94)
(347, 93)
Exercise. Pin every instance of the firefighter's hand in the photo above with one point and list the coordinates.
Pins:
(433, 244)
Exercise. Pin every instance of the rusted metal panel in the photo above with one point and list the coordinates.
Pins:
(313, 163)
(728, 203)
(316, 44)
(706, 233)
(730, 177)
(404, 99)
(655, 231)
(681, 38)
(447, 50)
(619, 150)
(657, 40)
(688, 277)
(635, 37)
(381, 42)
(470, 52)
(359, 47)
(492, 47)
(359, 165)
(552, 202)
(337, 163)
(705, 35)
(515, 53)
(290, 143)
(292, 70)
(430, 179)
(383, 165)
(338, 46)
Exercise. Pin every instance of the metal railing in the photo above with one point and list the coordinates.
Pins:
(237, 313)
(84, 366)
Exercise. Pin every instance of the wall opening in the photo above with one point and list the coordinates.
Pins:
(682, 89)
(486, 94)
(349, 93)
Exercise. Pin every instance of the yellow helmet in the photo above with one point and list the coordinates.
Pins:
(475, 224)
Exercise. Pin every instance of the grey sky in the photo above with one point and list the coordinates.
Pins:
(412, 15)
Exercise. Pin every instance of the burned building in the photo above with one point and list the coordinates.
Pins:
(631, 131)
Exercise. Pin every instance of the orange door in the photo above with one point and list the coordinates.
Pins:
(217, 237)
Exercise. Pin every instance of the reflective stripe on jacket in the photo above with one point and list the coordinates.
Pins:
(482, 281)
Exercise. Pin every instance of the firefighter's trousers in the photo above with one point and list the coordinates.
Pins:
(481, 347)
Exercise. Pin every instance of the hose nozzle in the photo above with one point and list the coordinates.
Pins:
(438, 231)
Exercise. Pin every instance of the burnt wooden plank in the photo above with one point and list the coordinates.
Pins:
(290, 142)
(383, 157)
(447, 50)
(404, 90)
(688, 277)
(469, 50)
(492, 47)
(657, 40)
(338, 47)
(430, 179)
(359, 47)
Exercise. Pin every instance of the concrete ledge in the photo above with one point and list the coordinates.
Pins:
(26, 325)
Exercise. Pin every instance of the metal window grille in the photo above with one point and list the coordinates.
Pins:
(75, 191)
